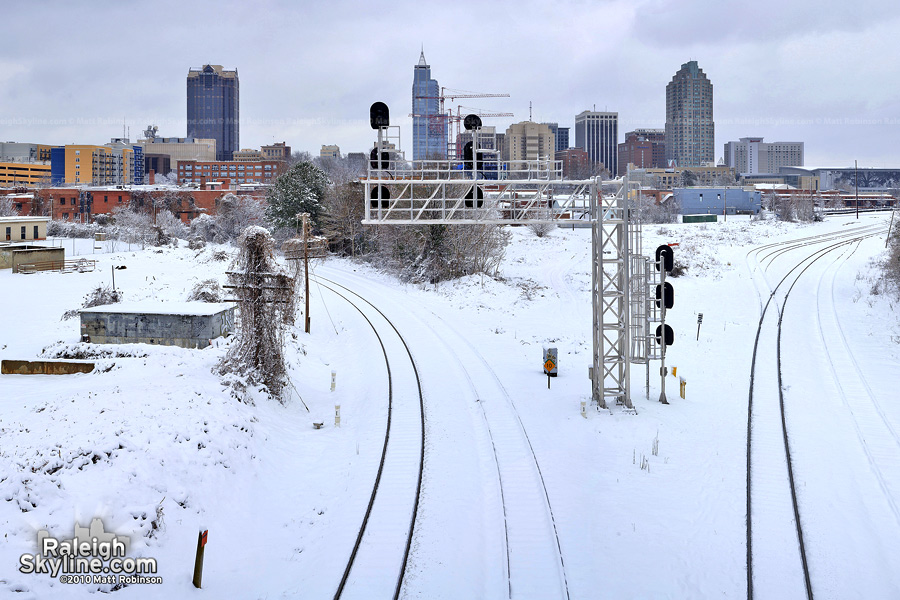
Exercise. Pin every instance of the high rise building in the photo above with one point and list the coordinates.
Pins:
(213, 108)
(690, 130)
(644, 148)
(751, 155)
(597, 133)
(429, 125)
(530, 141)
(560, 136)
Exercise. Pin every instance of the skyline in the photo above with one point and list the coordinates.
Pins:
(785, 73)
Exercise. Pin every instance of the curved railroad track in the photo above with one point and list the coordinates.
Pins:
(768, 421)
(382, 532)
(534, 560)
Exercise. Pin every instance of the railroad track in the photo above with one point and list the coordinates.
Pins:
(534, 564)
(386, 532)
(768, 536)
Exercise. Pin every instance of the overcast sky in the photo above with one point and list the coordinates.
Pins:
(822, 72)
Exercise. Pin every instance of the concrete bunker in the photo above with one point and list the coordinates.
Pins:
(184, 324)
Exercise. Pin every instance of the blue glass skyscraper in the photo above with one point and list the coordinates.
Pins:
(429, 125)
(213, 108)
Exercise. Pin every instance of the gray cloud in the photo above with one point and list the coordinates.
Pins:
(309, 71)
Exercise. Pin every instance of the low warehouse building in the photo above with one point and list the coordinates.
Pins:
(184, 324)
(14, 255)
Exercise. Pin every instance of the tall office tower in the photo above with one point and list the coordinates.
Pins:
(429, 125)
(597, 133)
(560, 135)
(213, 108)
(690, 131)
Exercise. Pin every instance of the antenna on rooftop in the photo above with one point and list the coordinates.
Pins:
(529, 110)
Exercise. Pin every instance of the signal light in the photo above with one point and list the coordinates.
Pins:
(375, 163)
(668, 257)
(379, 115)
(472, 122)
(474, 199)
(467, 157)
(665, 293)
(385, 197)
(670, 335)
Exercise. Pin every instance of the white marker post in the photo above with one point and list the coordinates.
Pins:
(337, 415)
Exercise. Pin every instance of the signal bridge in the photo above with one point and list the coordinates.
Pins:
(482, 189)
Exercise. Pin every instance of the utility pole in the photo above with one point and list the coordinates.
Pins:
(856, 183)
(305, 217)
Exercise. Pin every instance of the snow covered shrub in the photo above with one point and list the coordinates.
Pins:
(647, 210)
(263, 292)
(196, 243)
(541, 229)
(234, 214)
(99, 296)
(207, 290)
(434, 253)
(892, 263)
(204, 228)
(171, 225)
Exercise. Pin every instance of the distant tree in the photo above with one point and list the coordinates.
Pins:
(301, 189)
(7, 207)
(342, 218)
(133, 225)
(234, 214)
(688, 178)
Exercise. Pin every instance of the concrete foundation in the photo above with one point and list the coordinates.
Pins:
(44, 367)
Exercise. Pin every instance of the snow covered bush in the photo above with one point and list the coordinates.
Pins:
(99, 296)
(171, 225)
(892, 262)
(434, 253)
(203, 228)
(541, 229)
(234, 214)
(207, 290)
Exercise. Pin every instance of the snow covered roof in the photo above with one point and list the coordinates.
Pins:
(22, 219)
(154, 307)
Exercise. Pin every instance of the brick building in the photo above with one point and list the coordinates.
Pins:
(261, 171)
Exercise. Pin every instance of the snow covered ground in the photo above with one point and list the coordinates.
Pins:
(155, 444)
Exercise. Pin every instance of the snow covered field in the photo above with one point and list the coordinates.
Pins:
(157, 445)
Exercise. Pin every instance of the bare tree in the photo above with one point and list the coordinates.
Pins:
(234, 214)
(133, 226)
(7, 207)
(342, 218)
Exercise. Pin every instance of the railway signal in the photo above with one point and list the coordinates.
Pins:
(665, 299)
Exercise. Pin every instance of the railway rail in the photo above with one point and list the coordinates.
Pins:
(767, 422)
(381, 535)
(534, 561)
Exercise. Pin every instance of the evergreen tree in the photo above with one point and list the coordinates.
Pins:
(301, 189)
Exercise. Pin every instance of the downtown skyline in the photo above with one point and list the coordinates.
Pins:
(824, 77)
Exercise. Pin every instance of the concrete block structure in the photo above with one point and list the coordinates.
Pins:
(184, 324)
(13, 255)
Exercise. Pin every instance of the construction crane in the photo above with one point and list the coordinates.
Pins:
(452, 121)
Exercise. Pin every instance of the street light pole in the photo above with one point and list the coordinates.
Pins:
(856, 183)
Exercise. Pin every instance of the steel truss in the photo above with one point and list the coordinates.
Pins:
(487, 190)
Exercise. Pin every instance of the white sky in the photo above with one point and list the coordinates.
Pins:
(824, 73)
